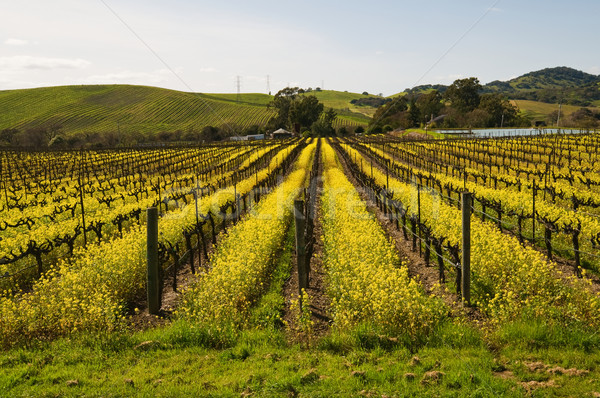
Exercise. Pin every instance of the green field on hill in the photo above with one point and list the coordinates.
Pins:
(126, 108)
(539, 110)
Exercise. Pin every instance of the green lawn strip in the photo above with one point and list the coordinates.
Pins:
(180, 360)
(431, 133)
(255, 364)
(268, 312)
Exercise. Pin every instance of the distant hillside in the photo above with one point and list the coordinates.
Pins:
(550, 85)
(559, 77)
(425, 88)
(126, 108)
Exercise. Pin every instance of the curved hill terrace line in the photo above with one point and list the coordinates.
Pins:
(127, 108)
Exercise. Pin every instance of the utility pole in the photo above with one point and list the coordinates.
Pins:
(238, 85)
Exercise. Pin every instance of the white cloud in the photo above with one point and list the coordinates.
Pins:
(15, 42)
(207, 70)
(25, 62)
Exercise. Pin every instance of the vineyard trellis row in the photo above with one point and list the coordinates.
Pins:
(87, 210)
(89, 290)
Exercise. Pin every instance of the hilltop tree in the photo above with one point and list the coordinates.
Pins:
(464, 94)
(294, 111)
(282, 103)
(305, 111)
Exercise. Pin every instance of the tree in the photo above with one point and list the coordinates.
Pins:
(392, 113)
(34, 137)
(324, 126)
(584, 118)
(305, 111)
(342, 131)
(210, 133)
(7, 135)
(500, 111)
(282, 103)
(414, 113)
(294, 110)
(464, 94)
(430, 105)
(52, 131)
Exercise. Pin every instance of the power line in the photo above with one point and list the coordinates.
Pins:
(210, 108)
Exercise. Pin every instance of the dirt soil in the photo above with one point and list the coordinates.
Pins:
(320, 302)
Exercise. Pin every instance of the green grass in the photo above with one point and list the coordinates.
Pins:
(341, 101)
(540, 110)
(184, 360)
(125, 108)
(122, 108)
(428, 132)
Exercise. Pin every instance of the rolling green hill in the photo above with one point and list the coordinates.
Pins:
(551, 85)
(126, 108)
(341, 101)
(559, 77)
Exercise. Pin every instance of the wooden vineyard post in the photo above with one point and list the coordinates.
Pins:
(466, 248)
(533, 216)
(153, 278)
(300, 247)
(196, 200)
(387, 176)
(419, 217)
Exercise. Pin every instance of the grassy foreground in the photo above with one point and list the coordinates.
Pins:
(181, 360)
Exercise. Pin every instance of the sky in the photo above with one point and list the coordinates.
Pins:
(265, 45)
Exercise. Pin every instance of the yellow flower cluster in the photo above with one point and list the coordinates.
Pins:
(508, 279)
(367, 282)
(90, 290)
(46, 229)
(521, 202)
(240, 267)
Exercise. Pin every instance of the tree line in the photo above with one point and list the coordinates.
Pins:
(460, 105)
(465, 104)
